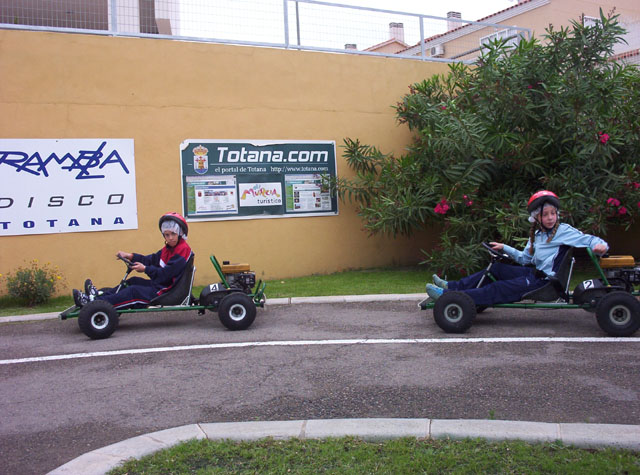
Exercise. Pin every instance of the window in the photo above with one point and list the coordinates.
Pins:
(510, 34)
(590, 21)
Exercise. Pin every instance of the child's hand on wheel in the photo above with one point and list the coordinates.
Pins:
(496, 246)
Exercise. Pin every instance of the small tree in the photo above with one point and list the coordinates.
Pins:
(558, 116)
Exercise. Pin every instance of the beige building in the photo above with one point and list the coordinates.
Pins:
(394, 44)
(464, 41)
(122, 16)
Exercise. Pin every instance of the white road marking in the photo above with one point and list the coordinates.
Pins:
(365, 341)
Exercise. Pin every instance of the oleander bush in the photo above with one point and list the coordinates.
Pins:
(555, 114)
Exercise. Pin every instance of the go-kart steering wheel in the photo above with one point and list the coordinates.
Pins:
(497, 254)
(126, 261)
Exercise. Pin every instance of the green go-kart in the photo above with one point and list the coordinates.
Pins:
(233, 298)
(610, 295)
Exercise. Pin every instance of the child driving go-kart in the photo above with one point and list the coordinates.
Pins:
(163, 269)
(542, 279)
(549, 241)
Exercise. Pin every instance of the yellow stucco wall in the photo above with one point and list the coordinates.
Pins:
(160, 93)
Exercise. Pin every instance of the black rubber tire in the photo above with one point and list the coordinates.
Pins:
(237, 311)
(621, 282)
(618, 314)
(454, 312)
(98, 319)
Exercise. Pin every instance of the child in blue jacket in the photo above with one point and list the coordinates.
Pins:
(548, 242)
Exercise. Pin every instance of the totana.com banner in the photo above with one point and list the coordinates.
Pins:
(237, 179)
(66, 185)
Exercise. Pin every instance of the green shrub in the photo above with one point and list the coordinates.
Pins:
(33, 285)
(558, 115)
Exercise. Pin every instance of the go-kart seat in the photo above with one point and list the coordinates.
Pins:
(180, 293)
(558, 285)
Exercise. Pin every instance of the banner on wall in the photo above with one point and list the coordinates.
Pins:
(67, 185)
(231, 179)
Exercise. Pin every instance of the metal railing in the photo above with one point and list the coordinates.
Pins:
(293, 24)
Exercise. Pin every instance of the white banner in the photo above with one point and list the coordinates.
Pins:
(260, 194)
(67, 185)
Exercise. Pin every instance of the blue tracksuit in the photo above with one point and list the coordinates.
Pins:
(164, 268)
(515, 281)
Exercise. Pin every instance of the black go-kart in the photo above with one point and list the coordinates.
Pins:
(232, 298)
(610, 295)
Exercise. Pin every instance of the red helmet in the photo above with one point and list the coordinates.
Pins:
(175, 217)
(539, 198)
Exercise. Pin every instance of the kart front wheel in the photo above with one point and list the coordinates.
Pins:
(237, 311)
(454, 312)
(98, 319)
(618, 314)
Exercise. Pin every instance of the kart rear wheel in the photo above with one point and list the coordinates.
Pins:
(618, 314)
(237, 311)
(98, 319)
(454, 312)
(621, 282)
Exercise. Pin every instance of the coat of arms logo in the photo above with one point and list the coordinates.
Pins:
(200, 159)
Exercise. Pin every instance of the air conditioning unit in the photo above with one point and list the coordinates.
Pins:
(437, 50)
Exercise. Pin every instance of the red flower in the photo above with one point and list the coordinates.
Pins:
(443, 108)
(604, 138)
(442, 207)
(613, 202)
(622, 210)
(635, 185)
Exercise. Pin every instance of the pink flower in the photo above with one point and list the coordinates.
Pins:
(442, 207)
(467, 201)
(604, 138)
(638, 204)
(443, 108)
(622, 210)
(635, 185)
(613, 202)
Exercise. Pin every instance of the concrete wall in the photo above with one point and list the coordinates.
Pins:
(160, 93)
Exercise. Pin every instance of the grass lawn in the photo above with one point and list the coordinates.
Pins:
(397, 456)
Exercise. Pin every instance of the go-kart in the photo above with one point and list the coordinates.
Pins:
(232, 298)
(611, 295)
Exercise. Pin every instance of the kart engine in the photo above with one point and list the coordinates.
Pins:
(621, 269)
(242, 280)
(239, 276)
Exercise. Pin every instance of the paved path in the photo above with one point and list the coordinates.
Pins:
(580, 434)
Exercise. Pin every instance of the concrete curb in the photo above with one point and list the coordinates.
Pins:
(29, 318)
(106, 458)
(278, 301)
(347, 299)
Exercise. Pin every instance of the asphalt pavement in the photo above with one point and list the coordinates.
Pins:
(576, 434)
